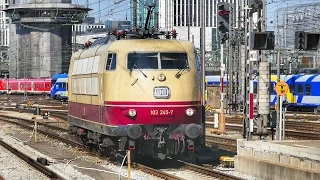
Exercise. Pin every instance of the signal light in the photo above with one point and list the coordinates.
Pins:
(300, 40)
(262, 40)
(223, 12)
(223, 21)
(307, 40)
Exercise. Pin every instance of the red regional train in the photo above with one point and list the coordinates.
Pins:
(32, 86)
(142, 95)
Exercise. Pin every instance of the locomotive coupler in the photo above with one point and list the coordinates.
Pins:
(159, 134)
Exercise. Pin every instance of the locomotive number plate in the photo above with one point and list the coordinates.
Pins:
(161, 112)
(161, 92)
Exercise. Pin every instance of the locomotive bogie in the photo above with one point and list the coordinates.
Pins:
(150, 140)
(143, 95)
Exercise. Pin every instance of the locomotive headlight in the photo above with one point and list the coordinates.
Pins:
(190, 111)
(161, 77)
(132, 112)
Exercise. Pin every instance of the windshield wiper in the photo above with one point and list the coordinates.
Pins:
(134, 65)
(179, 73)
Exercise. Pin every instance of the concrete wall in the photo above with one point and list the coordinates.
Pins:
(268, 160)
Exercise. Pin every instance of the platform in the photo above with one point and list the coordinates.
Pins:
(285, 160)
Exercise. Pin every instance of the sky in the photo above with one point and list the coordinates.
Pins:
(109, 9)
(120, 9)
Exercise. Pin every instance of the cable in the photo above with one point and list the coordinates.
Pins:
(21, 140)
(100, 170)
(120, 170)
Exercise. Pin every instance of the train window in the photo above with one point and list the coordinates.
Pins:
(308, 89)
(271, 88)
(300, 89)
(142, 61)
(111, 62)
(174, 60)
(255, 88)
(292, 87)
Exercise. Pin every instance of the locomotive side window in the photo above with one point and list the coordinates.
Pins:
(174, 60)
(142, 61)
(308, 89)
(111, 61)
(300, 89)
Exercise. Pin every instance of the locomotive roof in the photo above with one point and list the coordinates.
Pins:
(56, 76)
(130, 45)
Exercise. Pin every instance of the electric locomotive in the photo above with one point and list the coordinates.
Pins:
(137, 94)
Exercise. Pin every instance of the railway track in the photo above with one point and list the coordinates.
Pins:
(156, 172)
(208, 172)
(304, 117)
(224, 143)
(40, 167)
(59, 114)
(43, 128)
(28, 124)
(290, 132)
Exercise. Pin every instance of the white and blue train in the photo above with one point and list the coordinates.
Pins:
(304, 90)
(59, 87)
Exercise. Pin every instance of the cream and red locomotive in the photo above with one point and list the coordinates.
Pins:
(137, 94)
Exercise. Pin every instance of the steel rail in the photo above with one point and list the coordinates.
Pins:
(209, 172)
(70, 142)
(41, 168)
(156, 172)
(141, 167)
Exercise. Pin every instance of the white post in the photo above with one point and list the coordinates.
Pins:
(284, 123)
(216, 120)
(251, 106)
(280, 124)
(222, 122)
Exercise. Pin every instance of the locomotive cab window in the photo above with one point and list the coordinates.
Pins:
(174, 60)
(142, 61)
(111, 61)
(308, 89)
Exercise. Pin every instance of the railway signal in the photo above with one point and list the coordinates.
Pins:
(262, 40)
(223, 21)
(300, 40)
(255, 5)
(312, 41)
(307, 40)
